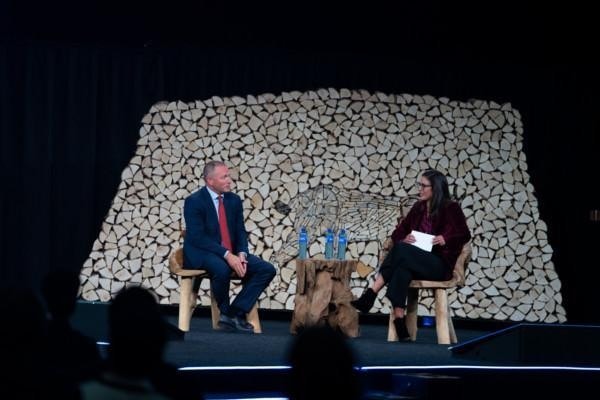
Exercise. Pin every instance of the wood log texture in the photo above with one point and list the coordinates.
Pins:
(334, 158)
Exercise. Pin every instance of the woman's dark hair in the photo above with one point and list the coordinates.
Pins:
(439, 189)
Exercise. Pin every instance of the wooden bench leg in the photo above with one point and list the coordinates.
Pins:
(392, 335)
(442, 316)
(453, 338)
(412, 308)
(253, 319)
(187, 302)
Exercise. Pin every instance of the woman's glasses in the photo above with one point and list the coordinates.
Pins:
(422, 185)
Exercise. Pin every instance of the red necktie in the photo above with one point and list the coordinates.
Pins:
(225, 239)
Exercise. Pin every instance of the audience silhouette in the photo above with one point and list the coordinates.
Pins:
(322, 364)
(26, 371)
(138, 335)
(45, 357)
(72, 354)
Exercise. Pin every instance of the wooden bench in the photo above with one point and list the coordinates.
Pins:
(443, 319)
(189, 298)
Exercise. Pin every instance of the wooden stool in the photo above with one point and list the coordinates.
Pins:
(443, 320)
(188, 298)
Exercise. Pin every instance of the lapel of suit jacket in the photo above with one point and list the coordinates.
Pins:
(212, 216)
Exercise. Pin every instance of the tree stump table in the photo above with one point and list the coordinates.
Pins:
(323, 296)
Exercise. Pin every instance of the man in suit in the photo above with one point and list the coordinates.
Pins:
(216, 240)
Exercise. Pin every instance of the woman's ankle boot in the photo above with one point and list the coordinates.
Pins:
(365, 301)
(401, 330)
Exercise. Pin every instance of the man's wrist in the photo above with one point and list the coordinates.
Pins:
(226, 254)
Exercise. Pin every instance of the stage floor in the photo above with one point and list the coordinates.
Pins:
(205, 347)
(258, 365)
(219, 365)
(480, 343)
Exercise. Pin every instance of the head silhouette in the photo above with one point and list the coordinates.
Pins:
(137, 332)
(59, 288)
(26, 326)
(22, 344)
(322, 366)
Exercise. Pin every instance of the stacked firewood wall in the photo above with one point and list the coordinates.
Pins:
(333, 158)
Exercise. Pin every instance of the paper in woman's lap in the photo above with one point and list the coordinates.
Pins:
(423, 240)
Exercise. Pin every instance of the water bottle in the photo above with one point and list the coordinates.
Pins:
(302, 243)
(341, 244)
(329, 244)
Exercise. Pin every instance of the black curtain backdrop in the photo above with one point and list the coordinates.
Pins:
(70, 112)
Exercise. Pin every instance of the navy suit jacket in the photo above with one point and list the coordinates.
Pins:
(203, 236)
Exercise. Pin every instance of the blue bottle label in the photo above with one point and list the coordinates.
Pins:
(329, 244)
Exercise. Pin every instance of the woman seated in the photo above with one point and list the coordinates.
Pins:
(435, 214)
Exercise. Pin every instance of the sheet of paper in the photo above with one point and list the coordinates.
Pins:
(423, 240)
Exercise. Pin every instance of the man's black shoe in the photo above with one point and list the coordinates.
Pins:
(235, 324)
(243, 326)
(227, 323)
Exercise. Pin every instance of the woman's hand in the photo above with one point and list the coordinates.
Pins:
(409, 239)
(438, 240)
